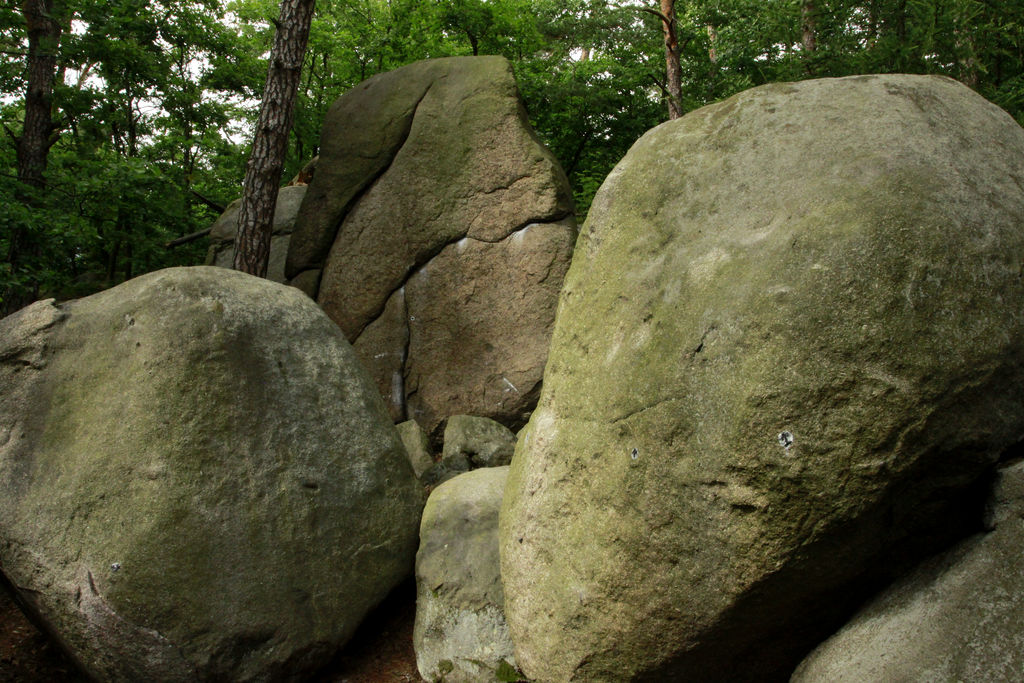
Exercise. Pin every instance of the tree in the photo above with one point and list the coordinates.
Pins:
(149, 97)
(673, 86)
(809, 25)
(270, 141)
(44, 29)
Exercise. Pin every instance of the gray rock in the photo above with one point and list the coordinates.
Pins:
(956, 618)
(790, 338)
(443, 229)
(222, 233)
(460, 634)
(416, 445)
(485, 442)
(197, 479)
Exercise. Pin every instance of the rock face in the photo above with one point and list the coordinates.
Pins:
(222, 234)
(443, 229)
(957, 618)
(460, 633)
(197, 479)
(790, 337)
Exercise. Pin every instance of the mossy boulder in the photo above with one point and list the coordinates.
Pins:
(789, 344)
(439, 229)
(197, 479)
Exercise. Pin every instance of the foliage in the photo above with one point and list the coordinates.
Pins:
(506, 673)
(154, 101)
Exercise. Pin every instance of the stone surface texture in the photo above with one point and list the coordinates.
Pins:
(443, 229)
(789, 342)
(460, 634)
(198, 480)
(484, 442)
(956, 618)
(222, 233)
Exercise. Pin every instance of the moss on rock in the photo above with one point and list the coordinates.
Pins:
(790, 337)
(205, 483)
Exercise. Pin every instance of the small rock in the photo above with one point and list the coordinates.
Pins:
(416, 445)
(485, 442)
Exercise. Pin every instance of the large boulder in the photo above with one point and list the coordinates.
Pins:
(443, 229)
(956, 618)
(790, 340)
(197, 479)
(222, 232)
(460, 633)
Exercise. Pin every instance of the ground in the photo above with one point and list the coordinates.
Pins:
(380, 652)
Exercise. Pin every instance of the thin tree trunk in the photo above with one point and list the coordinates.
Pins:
(44, 32)
(263, 172)
(809, 25)
(673, 69)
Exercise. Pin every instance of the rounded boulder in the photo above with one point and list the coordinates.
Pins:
(789, 344)
(198, 481)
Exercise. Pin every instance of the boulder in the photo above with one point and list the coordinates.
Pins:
(440, 229)
(460, 634)
(956, 618)
(416, 445)
(789, 343)
(197, 479)
(484, 442)
(222, 234)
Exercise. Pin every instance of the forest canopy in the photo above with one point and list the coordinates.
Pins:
(152, 102)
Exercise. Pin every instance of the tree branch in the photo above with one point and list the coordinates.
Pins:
(660, 84)
(656, 13)
(192, 237)
(216, 206)
(664, 91)
(11, 133)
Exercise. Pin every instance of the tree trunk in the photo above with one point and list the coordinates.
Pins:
(43, 39)
(673, 69)
(809, 25)
(44, 32)
(263, 172)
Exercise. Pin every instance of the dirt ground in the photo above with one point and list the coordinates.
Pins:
(380, 652)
